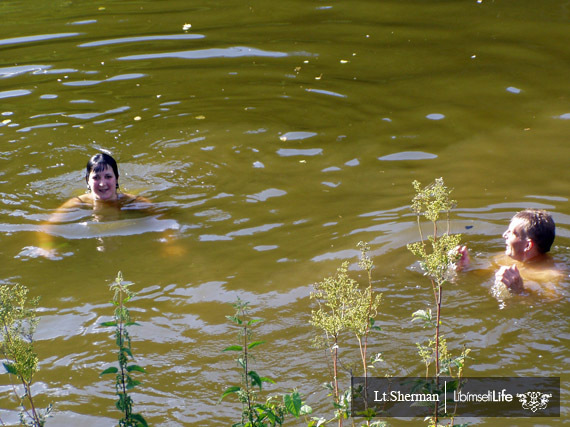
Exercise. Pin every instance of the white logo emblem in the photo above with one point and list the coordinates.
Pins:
(534, 400)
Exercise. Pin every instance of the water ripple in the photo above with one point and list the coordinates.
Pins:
(326, 92)
(87, 116)
(22, 69)
(265, 194)
(287, 152)
(230, 52)
(408, 155)
(293, 136)
(253, 230)
(141, 39)
(110, 79)
(31, 39)
(13, 93)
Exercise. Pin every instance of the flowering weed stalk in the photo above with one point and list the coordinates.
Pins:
(437, 259)
(18, 323)
(123, 380)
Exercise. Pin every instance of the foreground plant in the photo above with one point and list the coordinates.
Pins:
(437, 259)
(124, 382)
(343, 306)
(255, 413)
(18, 323)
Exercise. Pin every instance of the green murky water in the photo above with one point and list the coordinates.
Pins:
(273, 136)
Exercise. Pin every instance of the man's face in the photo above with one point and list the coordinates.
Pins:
(515, 240)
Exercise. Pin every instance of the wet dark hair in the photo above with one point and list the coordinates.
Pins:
(539, 226)
(99, 162)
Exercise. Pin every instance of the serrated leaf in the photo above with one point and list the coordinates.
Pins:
(107, 324)
(132, 383)
(293, 403)
(140, 419)
(230, 390)
(235, 319)
(255, 344)
(111, 370)
(255, 379)
(136, 368)
(10, 368)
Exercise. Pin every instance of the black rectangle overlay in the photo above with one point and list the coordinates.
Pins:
(469, 397)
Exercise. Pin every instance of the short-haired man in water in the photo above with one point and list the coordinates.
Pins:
(528, 240)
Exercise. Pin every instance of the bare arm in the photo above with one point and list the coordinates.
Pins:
(45, 238)
(464, 259)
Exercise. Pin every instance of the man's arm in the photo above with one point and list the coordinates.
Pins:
(464, 259)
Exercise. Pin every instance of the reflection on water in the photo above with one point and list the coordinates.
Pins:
(271, 138)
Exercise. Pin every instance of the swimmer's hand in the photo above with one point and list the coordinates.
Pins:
(464, 260)
(511, 277)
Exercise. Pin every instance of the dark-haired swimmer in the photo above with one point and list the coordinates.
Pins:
(528, 240)
(102, 178)
(103, 198)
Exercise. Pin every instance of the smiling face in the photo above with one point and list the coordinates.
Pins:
(517, 244)
(103, 183)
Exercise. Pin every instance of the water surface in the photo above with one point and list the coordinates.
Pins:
(272, 137)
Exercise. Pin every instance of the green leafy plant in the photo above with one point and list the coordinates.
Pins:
(254, 413)
(18, 323)
(124, 382)
(344, 307)
(437, 259)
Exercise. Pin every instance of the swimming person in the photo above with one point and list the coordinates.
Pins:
(102, 178)
(103, 199)
(528, 240)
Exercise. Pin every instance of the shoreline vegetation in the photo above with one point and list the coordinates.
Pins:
(343, 310)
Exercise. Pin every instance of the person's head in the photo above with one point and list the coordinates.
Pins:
(102, 176)
(530, 234)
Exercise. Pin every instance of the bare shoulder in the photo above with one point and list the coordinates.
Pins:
(140, 202)
(61, 213)
(543, 274)
(75, 202)
(84, 199)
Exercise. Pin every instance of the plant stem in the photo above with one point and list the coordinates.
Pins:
(335, 375)
(438, 316)
(249, 408)
(28, 394)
